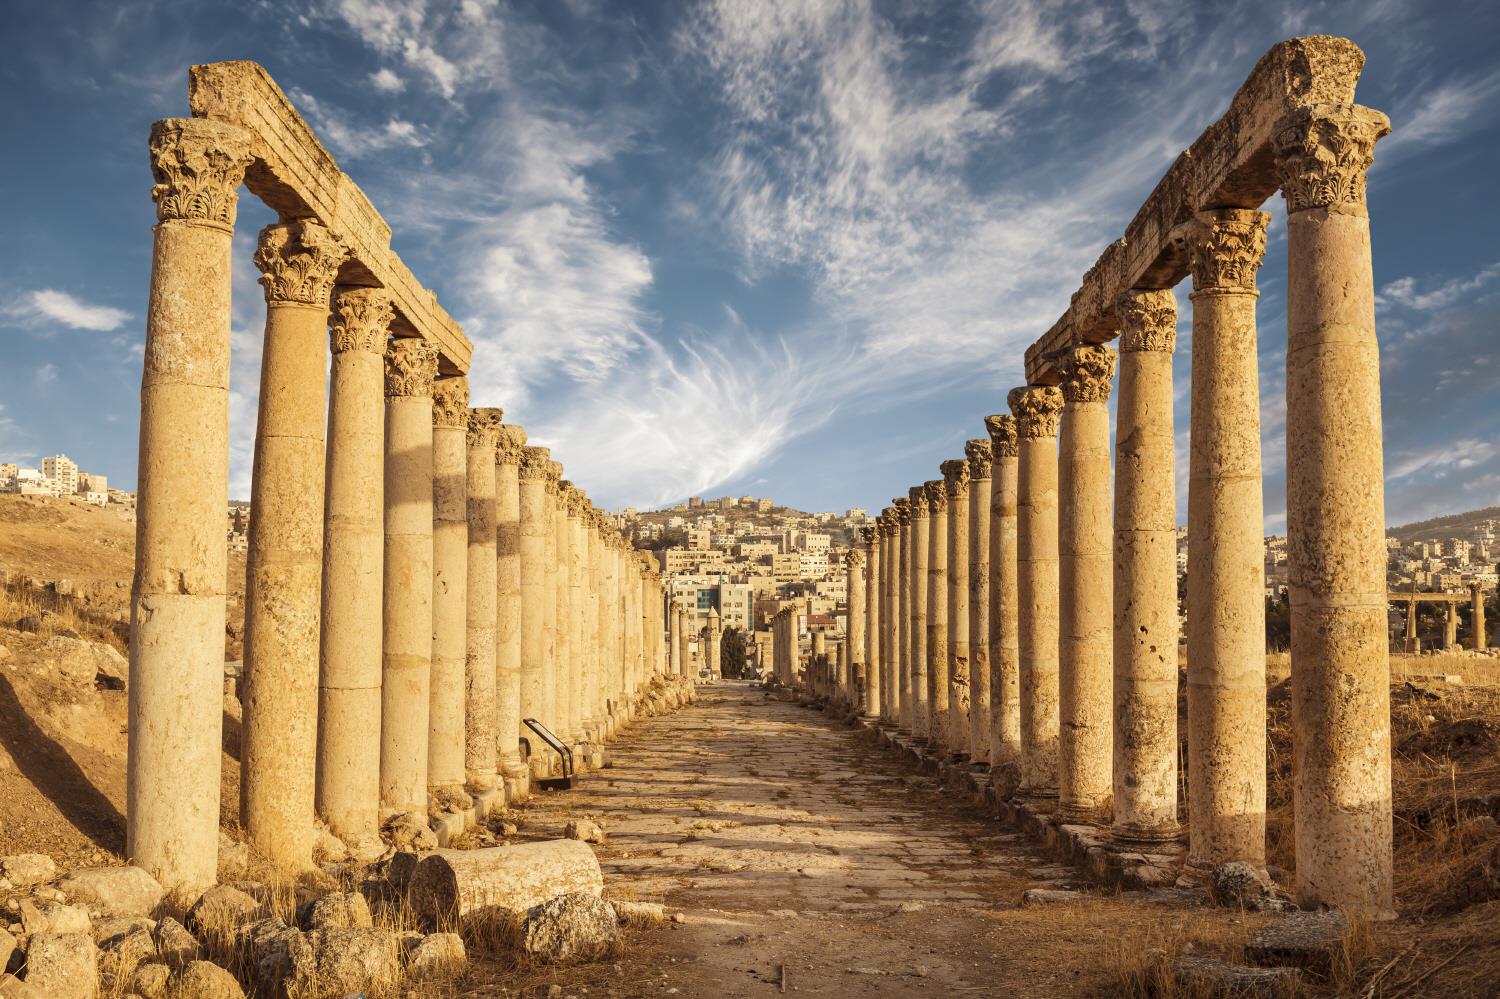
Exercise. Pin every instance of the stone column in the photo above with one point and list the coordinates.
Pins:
(566, 623)
(1036, 409)
(592, 654)
(548, 702)
(510, 440)
(979, 461)
(410, 367)
(715, 635)
(674, 644)
(873, 639)
(535, 466)
(450, 573)
(1005, 652)
(956, 577)
(921, 528)
(1226, 633)
(902, 584)
(1411, 625)
(1085, 581)
(480, 734)
(1450, 626)
(579, 638)
(176, 685)
(890, 683)
(1476, 615)
(684, 655)
(854, 565)
(298, 262)
(1336, 514)
(348, 771)
(937, 615)
(1145, 576)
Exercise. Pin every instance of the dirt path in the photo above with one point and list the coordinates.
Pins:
(785, 838)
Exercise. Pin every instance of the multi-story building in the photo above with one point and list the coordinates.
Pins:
(63, 471)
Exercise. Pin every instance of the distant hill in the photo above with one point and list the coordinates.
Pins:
(1453, 525)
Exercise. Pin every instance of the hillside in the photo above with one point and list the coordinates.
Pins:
(1447, 526)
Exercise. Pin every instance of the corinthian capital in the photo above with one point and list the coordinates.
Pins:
(483, 422)
(362, 320)
(1036, 408)
(955, 478)
(450, 402)
(867, 536)
(577, 503)
(902, 506)
(1226, 246)
(298, 262)
(1087, 371)
(979, 457)
(1002, 429)
(937, 497)
(918, 497)
(197, 166)
(510, 438)
(554, 477)
(854, 559)
(536, 464)
(1323, 153)
(1148, 320)
(410, 367)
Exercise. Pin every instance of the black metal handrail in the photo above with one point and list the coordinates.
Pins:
(562, 749)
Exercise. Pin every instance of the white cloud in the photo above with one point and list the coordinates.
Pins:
(46, 376)
(1403, 291)
(1438, 459)
(61, 307)
(335, 128)
(1440, 114)
(386, 81)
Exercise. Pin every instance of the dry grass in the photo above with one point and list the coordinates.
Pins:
(59, 615)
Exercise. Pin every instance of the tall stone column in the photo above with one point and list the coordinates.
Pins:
(548, 701)
(579, 639)
(1036, 409)
(1004, 641)
(1226, 633)
(977, 453)
(450, 574)
(1336, 514)
(921, 712)
(1450, 626)
(480, 734)
(348, 770)
(1145, 574)
(510, 440)
(684, 655)
(1085, 579)
(674, 644)
(565, 690)
(1476, 615)
(937, 615)
(715, 637)
(956, 578)
(177, 597)
(535, 467)
(298, 262)
(890, 646)
(902, 584)
(873, 639)
(854, 566)
(410, 367)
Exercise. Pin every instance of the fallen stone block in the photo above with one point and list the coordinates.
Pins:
(63, 965)
(26, 869)
(12, 987)
(206, 980)
(221, 909)
(451, 886)
(174, 944)
(53, 917)
(114, 891)
(436, 957)
(1207, 976)
(351, 960)
(577, 926)
(121, 954)
(585, 830)
(338, 911)
(150, 980)
(640, 914)
(1049, 896)
(1302, 939)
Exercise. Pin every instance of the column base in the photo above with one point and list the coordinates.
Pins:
(1128, 835)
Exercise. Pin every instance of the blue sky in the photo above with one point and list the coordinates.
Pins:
(782, 248)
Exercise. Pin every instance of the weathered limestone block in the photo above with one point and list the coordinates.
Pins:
(577, 926)
(222, 909)
(452, 886)
(206, 980)
(26, 869)
(436, 957)
(63, 966)
(113, 891)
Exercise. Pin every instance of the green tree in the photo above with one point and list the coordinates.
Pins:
(1278, 623)
(732, 658)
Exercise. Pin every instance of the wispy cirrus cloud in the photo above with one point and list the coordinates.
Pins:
(349, 139)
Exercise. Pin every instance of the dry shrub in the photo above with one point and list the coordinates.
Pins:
(59, 615)
(1144, 963)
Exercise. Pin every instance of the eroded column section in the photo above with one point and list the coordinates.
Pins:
(450, 572)
(1085, 580)
(956, 582)
(921, 715)
(1005, 653)
(977, 453)
(1336, 514)
(937, 613)
(298, 262)
(348, 781)
(1226, 632)
(177, 596)
(410, 367)
(1036, 410)
(480, 733)
(535, 465)
(1145, 574)
(510, 440)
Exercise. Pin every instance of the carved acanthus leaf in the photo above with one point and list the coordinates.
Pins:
(937, 496)
(362, 320)
(450, 402)
(980, 458)
(918, 496)
(410, 367)
(1323, 153)
(483, 422)
(955, 478)
(536, 464)
(298, 262)
(198, 166)
(1087, 371)
(1002, 430)
(854, 559)
(867, 535)
(1148, 320)
(510, 438)
(902, 506)
(1036, 408)
(1226, 247)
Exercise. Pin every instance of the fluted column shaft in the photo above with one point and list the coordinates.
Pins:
(410, 366)
(1036, 409)
(1145, 574)
(977, 453)
(1004, 640)
(480, 736)
(348, 770)
(1226, 632)
(450, 572)
(937, 615)
(921, 716)
(177, 596)
(509, 442)
(1336, 515)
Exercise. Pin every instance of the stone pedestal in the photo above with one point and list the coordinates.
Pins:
(510, 440)
(1036, 409)
(177, 598)
(1335, 515)
(1085, 569)
(937, 615)
(979, 459)
(450, 573)
(1145, 574)
(921, 712)
(956, 581)
(348, 773)
(1226, 633)
(298, 262)
(410, 367)
(480, 733)
(1005, 654)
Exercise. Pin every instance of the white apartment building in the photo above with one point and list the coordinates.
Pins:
(63, 471)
